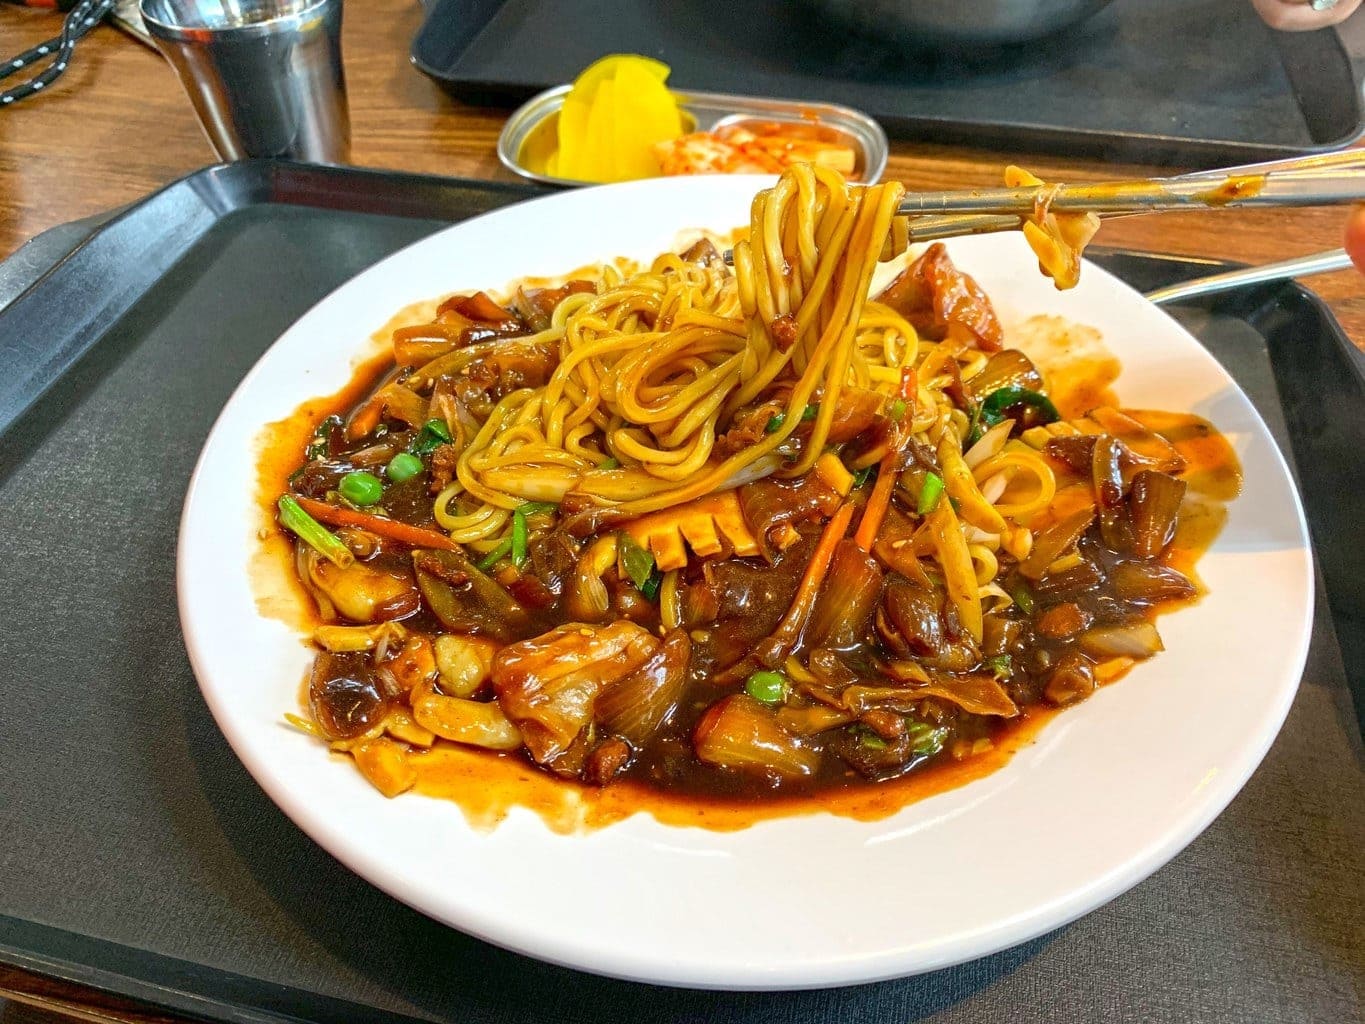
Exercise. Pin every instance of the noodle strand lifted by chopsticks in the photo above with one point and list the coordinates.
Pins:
(656, 364)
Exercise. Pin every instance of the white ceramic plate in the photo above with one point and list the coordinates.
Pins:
(1112, 789)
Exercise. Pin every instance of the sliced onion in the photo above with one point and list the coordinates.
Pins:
(812, 720)
(1130, 640)
(977, 693)
(1155, 504)
(464, 663)
(464, 721)
(549, 685)
(990, 444)
(1149, 582)
(465, 599)
(1106, 473)
(739, 732)
(1053, 542)
(846, 600)
(764, 465)
(636, 705)
(1006, 368)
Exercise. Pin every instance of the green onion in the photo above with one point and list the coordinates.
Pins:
(992, 410)
(403, 466)
(652, 585)
(929, 493)
(1023, 597)
(433, 434)
(768, 687)
(518, 538)
(1000, 665)
(609, 463)
(871, 740)
(313, 533)
(925, 739)
(864, 475)
(318, 447)
(495, 556)
(535, 508)
(807, 414)
(361, 488)
(896, 410)
(638, 563)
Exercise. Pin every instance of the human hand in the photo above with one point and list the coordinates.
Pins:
(1355, 237)
(1300, 16)
(1303, 15)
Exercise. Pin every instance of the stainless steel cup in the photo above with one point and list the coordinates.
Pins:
(265, 76)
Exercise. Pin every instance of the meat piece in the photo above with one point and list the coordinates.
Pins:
(480, 307)
(886, 724)
(784, 331)
(444, 461)
(607, 760)
(702, 252)
(934, 296)
(1063, 621)
(507, 368)
(1072, 680)
(748, 426)
(537, 305)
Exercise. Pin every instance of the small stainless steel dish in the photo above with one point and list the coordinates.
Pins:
(531, 128)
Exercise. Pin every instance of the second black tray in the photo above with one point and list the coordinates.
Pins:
(138, 856)
(1156, 81)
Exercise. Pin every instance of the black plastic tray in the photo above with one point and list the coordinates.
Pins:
(138, 857)
(1160, 81)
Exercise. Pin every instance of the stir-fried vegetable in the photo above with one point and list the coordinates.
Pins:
(766, 686)
(741, 532)
(403, 466)
(313, 533)
(393, 529)
(930, 491)
(361, 488)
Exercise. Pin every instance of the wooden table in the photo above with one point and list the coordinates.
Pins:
(117, 126)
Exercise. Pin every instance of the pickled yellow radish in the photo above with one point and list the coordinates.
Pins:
(616, 112)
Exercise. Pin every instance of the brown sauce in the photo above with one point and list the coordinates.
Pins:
(1234, 188)
(487, 785)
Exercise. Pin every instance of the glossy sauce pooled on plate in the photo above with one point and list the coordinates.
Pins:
(691, 541)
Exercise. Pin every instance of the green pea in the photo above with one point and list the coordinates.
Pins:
(361, 488)
(403, 466)
(769, 687)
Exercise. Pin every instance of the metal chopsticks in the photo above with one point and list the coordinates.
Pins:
(1318, 180)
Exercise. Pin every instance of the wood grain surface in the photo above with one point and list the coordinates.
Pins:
(117, 126)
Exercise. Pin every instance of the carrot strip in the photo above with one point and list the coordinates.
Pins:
(877, 504)
(793, 624)
(413, 536)
(880, 498)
